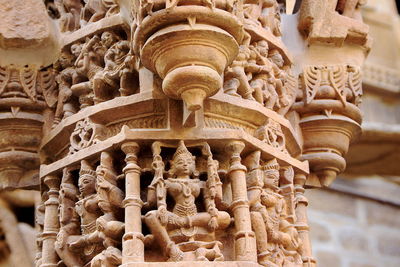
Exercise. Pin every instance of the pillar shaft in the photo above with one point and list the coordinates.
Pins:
(245, 243)
(51, 223)
(302, 221)
(132, 246)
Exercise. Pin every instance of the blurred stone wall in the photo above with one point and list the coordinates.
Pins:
(356, 223)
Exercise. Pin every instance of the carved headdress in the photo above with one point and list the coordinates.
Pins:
(271, 174)
(181, 151)
(86, 169)
(271, 166)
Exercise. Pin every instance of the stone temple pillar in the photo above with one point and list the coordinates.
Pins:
(178, 132)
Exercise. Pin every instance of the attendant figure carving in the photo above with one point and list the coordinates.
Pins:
(280, 77)
(283, 240)
(108, 228)
(263, 80)
(65, 107)
(278, 243)
(236, 77)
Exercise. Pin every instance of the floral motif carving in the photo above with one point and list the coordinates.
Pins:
(271, 133)
(83, 136)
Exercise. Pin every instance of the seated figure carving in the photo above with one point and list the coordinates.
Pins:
(112, 78)
(185, 234)
(89, 63)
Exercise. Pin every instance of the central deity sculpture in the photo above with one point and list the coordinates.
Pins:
(185, 233)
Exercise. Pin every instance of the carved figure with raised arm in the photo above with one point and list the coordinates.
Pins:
(183, 233)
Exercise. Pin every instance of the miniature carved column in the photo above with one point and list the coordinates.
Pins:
(302, 221)
(245, 243)
(51, 223)
(132, 246)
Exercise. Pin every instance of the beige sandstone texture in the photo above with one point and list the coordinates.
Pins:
(177, 132)
(356, 223)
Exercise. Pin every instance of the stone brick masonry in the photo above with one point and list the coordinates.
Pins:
(353, 231)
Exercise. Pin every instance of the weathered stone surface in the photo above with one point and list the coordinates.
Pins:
(331, 202)
(387, 215)
(328, 259)
(320, 232)
(389, 245)
(353, 239)
(24, 24)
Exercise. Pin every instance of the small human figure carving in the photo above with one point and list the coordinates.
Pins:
(263, 80)
(283, 240)
(107, 82)
(236, 78)
(95, 10)
(184, 233)
(88, 208)
(278, 243)
(69, 221)
(70, 11)
(108, 227)
(280, 75)
(90, 62)
(64, 106)
(271, 16)
(263, 13)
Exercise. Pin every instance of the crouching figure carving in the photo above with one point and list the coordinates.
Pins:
(185, 234)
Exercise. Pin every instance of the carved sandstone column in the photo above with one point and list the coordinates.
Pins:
(51, 223)
(302, 221)
(132, 246)
(245, 243)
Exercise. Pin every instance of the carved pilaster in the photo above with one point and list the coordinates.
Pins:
(245, 243)
(132, 245)
(302, 220)
(51, 223)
